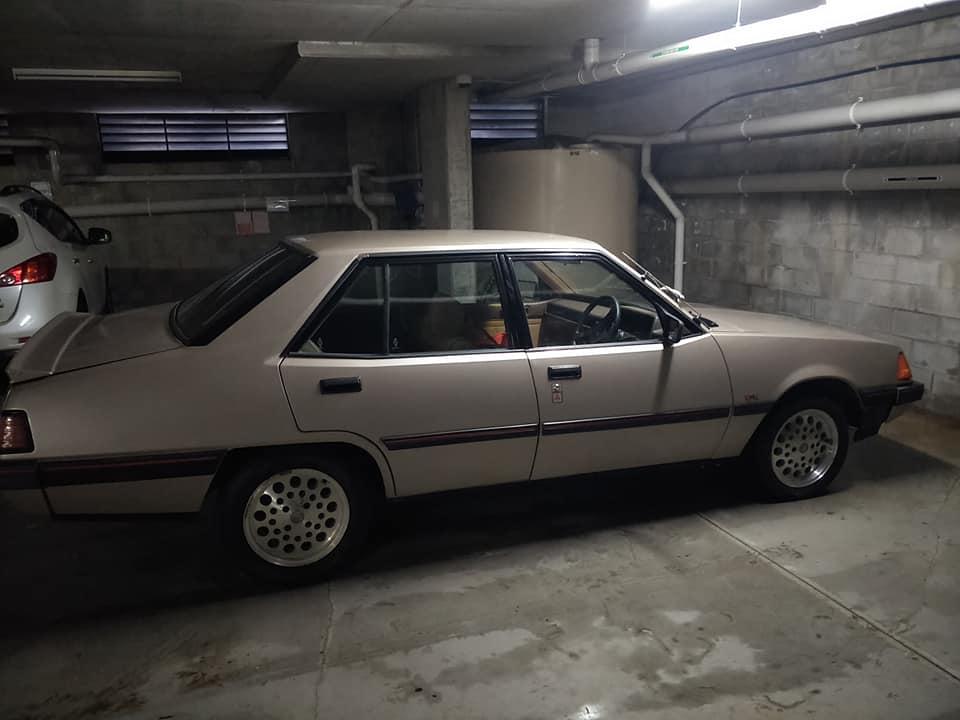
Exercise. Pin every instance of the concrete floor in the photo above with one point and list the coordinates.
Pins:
(661, 595)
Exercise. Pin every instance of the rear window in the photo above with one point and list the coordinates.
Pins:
(8, 229)
(202, 317)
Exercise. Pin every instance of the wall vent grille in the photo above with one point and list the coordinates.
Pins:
(187, 134)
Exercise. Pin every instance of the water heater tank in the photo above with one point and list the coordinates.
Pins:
(583, 191)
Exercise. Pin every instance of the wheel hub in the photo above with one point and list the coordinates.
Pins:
(296, 517)
(804, 448)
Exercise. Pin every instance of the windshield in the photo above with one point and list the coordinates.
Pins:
(201, 317)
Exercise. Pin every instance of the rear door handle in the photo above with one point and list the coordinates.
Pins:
(564, 372)
(331, 386)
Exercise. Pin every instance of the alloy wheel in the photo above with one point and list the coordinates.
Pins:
(296, 517)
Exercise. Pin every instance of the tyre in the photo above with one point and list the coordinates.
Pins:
(294, 518)
(800, 448)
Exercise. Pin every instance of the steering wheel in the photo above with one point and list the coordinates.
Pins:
(603, 331)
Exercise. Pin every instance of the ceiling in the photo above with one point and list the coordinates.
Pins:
(242, 54)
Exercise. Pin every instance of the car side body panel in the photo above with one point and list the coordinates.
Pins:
(443, 421)
(157, 426)
(760, 377)
(636, 404)
(214, 398)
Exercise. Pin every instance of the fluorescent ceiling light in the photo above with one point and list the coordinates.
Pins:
(832, 15)
(97, 75)
(667, 4)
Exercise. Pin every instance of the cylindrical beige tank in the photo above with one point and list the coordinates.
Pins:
(582, 191)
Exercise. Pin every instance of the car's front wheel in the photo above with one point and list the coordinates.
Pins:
(294, 518)
(800, 448)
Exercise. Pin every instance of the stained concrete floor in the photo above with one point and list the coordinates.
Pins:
(654, 595)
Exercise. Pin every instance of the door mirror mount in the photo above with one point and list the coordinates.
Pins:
(672, 330)
(99, 236)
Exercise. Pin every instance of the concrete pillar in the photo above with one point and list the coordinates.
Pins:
(443, 110)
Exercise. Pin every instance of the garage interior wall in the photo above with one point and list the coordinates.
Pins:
(161, 258)
(886, 264)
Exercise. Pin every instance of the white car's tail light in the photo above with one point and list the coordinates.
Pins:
(38, 269)
(15, 436)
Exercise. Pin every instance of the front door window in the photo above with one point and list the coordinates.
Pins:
(581, 301)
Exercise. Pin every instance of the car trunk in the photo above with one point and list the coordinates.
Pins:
(9, 298)
(72, 341)
(15, 247)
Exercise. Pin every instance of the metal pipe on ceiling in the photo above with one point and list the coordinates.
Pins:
(851, 115)
(203, 177)
(852, 180)
(816, 22)
(168, 207)
(218, 177)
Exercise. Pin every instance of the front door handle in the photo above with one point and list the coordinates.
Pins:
(331, 386)
(564, 372)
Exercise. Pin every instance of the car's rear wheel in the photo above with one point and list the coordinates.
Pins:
(800, 448)
(294, 518)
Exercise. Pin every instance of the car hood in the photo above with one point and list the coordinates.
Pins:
(72, 341)
(730, 321)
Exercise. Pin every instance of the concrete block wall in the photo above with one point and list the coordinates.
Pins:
(886, 264)
(167, 257)
(793, 254)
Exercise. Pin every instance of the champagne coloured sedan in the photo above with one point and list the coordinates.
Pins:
(337, 370)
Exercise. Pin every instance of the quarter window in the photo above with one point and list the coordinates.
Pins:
(54, 220)
(582, 301)
(8, 229)
(416, 307)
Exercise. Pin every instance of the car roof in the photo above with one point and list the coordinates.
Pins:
(385, 242)
(11, 196)
(12, 202)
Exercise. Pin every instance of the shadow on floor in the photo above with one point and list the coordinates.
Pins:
(70, 570)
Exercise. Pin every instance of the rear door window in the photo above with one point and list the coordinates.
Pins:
(415, 306)
(9, 231)
(202, 317)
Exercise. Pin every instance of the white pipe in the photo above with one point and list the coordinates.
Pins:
(852, 115)
(204, 177)
(51, 146)
(356, 192)
(591, 52)
(388, 179)
(167, 207)
(679, 221)
(218, 177)
(816, 22)
(912, 177)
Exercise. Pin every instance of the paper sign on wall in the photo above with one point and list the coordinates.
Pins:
(251, 222)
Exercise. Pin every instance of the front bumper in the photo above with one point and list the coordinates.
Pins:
(878, 403)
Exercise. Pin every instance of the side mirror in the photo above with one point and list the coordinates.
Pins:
(672, 330)
(99, 236)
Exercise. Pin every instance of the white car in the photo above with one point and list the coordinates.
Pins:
(48, 265)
